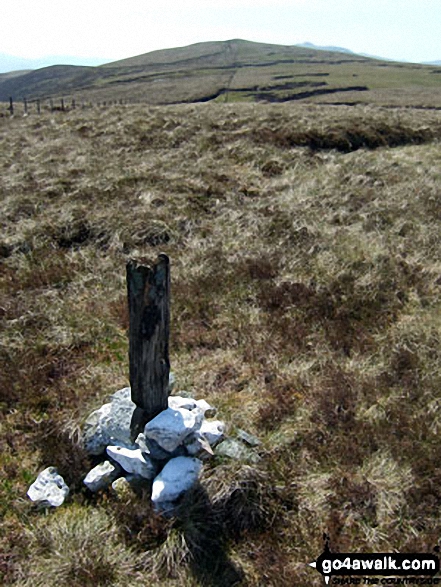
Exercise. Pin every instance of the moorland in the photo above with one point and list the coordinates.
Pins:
(234, 71)
(306, 276)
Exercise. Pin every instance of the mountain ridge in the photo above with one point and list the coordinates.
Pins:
(12, 63)
(233, 70)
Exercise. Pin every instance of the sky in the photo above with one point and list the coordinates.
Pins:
(108, 30)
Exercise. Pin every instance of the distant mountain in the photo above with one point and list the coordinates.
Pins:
(341, 50)
(230, 71)
(10, 63)
(11, 74)
(432, 63)
(325, 48)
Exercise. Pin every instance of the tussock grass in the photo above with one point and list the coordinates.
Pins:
(305, 306)
(79, 547)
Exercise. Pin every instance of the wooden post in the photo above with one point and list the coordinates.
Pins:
(25, 106)
(38, 107)
(51, 102)
(148, 289)
(11, 107)
(62, 104)
(74, 104)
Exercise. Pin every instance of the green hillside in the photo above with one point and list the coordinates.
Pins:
(305, 306)
(236, 70)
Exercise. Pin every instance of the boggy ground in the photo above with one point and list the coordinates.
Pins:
(306, 280)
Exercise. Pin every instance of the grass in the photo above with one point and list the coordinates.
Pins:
(305, 306)
(234, 71)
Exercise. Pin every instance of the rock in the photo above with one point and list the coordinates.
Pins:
(132, 461)
(170, 427)
(152, 449)
(178, 476)
(122, 487)
(141, 442)
(234, 449)
(96, 437)
(197, 446)
(101, 476)
(123, 395)
(207, 409)
(177, 401)
(125, 487)
(110, 424)
(248, 438)
(212, 431)
(188, 403)
(117, 421)
(171, 381)
(49, 489)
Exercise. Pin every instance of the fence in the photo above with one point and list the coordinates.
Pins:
(37, 106)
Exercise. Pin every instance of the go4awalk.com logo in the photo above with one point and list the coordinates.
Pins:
(377, 569)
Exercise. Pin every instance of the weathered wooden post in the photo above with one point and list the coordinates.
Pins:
(25, 106)
(38, 107)
(148, 289)
(11, 107)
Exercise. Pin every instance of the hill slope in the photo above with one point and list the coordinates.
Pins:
(236, 70)
(306, 289)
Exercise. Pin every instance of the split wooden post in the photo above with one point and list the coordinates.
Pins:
(148, 289)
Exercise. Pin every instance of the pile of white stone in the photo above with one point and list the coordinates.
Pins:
(167, 455)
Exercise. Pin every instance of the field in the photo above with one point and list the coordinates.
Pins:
(306, 276)
(234, 71)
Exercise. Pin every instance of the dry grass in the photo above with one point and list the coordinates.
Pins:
(305, 282)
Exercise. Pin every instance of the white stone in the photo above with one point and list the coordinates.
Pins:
(171, 427)
(132, 461)
(101, 476)
(123, 394)
(176, 401)
(110, 424)
(207, 409)
(213, 431)
(171, 381)
(152, 449)
(117, 421)
(197, 446)
(178, 476)
(122, 487)
(95, 436)
(49, 489)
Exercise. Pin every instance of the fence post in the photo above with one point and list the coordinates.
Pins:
(11, 107)
(62, 104)
(25, 106)
(148, 289)
(74, 104)
(51, 102)
(38, 107)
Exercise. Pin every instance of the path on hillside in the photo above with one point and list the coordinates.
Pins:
(230, 58)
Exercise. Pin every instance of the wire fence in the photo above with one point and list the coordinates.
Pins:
(37, 106)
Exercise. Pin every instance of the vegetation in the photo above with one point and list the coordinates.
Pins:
(232, 71)
(306, 280)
